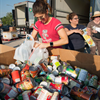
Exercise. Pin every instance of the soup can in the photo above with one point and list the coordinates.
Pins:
(5, 72)
(44, 95)
(33, 71)
(12, 93)
(55, 96)
(36, 93)
(4, 88)
(16, 76)
(26, 95)
(27, 84)
(78, 94)
(44, 67)
(93, 81)
(24, 74)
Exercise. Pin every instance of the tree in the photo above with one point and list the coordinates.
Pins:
(7, 20)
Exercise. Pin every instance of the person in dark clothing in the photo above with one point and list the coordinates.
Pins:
(0, 31)
(73, 30)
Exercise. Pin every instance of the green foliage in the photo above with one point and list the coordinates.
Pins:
(7, 20)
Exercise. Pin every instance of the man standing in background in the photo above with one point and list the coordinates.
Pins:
(0, 31)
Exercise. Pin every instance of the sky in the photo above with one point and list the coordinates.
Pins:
(7, 6)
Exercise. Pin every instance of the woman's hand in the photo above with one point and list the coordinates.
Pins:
(36, 44)
(44, 45)
(41, 45)
(94, 31)
(78, 31)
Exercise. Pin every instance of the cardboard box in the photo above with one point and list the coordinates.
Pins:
(83, 60)
(6, 54)
(10, 35)
(12, 29)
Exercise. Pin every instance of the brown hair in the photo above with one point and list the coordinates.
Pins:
(70, 16)
(40, 6)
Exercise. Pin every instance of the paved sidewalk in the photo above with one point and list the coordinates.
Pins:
(14, 43)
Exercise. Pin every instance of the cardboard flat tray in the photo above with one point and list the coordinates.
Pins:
(83, 60)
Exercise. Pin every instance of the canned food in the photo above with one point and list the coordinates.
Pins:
(26, 95)
(15, 76)
(6, 80)
(78, 94)
(87, 79)
(55, 96)
(4, 88)
(71, 72)
(44, 95)
(25, 74)
(33, 71)
(44, 67)
(27, 84)
(12, 93)
(53, 86)
(93, 81)
(5, 72)
(51, 77)
(36, 93)
(11, 66)
(82, 75)
(61, 79)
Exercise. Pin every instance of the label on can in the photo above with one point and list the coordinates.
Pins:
(51, 77)
(25, 85)
(57, 87)
(6, 88)
(55, 96)
(24, 74)
(11, 94)
(36, 93)
(93, 81)
(71, 72)
(26, 95)
(44, 95)
(82, 75)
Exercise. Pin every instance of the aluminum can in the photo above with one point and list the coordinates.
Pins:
(33, 71)
(4, 88)
(26, 95)
(36, 93)
(12, 93)
(5, 72)
(27, 84)
(78, 94)
(93, 81)
(24, 74)
(16, 76)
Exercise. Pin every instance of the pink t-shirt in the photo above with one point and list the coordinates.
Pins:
(49, 32)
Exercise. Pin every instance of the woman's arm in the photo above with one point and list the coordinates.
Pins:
(34, 34)
(69, 32)
(63, 40)
(88, 31)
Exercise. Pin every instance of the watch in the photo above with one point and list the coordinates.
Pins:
(51, 44)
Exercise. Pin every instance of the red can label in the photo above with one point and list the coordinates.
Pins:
(57, 87)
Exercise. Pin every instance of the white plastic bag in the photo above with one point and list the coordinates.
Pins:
(23, 52)
(38, 55)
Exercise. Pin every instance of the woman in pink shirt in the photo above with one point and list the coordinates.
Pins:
(50, 29)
